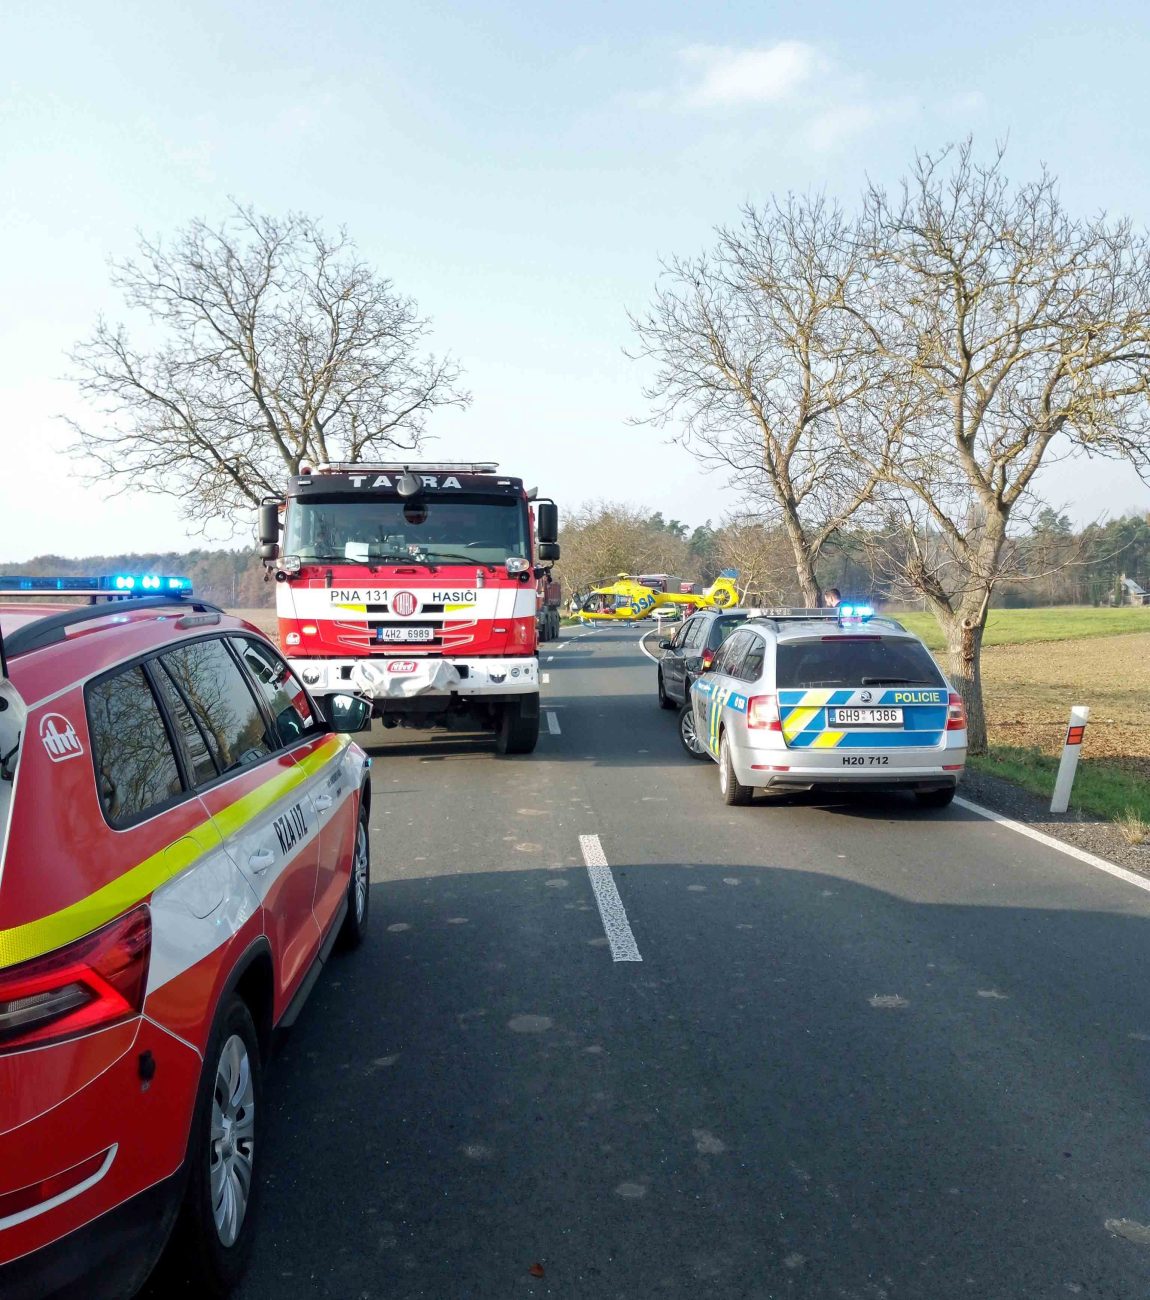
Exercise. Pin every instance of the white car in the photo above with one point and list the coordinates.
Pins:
(837, 698)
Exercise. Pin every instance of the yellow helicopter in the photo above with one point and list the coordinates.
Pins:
(627, 601)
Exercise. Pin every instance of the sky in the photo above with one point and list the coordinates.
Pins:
(519, 169)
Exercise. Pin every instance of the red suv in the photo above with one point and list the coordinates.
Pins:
(184, 841)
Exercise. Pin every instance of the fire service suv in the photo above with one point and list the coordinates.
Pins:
(415, 586)
(183, 840)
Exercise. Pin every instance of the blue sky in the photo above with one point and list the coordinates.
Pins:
(519, 169)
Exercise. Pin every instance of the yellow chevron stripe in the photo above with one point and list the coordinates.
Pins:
(827, 739)
(817, 698)
(797, 720)
(34, 938)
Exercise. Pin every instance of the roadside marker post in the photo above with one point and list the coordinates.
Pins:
(1071, 750)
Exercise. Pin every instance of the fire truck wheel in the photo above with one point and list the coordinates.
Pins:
(354, 927)
(518, 731)
(216, 1229)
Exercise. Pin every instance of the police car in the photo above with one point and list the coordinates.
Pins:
(798, 699)
(184, 841)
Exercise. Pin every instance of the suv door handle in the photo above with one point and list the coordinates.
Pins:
(261, 860)
(323, 802)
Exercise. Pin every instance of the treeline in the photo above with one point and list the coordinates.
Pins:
(234, 579)
(1051, 564)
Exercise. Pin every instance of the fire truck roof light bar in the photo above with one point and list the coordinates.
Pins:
(416, 467)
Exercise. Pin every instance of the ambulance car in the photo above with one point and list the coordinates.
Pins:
(835, 699)
(184, 841)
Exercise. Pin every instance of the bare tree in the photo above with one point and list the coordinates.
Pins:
(270, 343)
(1010, 334)
(759, 352)
(761, 555)
(603, 539)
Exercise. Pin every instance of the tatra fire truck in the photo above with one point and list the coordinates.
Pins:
(415, 586)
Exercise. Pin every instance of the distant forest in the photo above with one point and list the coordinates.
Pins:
(234, 579)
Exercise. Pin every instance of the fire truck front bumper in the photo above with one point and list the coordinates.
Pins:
(398, 679)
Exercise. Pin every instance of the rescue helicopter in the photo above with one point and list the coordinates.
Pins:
(627, 601)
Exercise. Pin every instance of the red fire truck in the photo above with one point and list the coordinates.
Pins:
(415, 586)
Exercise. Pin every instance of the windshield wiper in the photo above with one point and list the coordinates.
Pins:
(464, 559)
(372, 561)
(896, 681)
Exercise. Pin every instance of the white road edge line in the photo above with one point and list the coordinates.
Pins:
(611, 909)
(552, 723)
(1070, 850)
(653, 658)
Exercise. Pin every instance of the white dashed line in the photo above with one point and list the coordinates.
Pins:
(552, 724)
(562, 646)
(1070, 850)
(546, 679)
(549, 658)
(611, 909)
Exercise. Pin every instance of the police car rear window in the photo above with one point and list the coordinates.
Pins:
(854, 662)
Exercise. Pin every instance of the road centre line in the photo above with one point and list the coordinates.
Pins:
(611, 910)
(1070, 850)
(552, 723)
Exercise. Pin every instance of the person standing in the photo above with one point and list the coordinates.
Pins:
(831, 597)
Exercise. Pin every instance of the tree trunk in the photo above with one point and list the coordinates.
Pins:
(964, 662)
(804, 562)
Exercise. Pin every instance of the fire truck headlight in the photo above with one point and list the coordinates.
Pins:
(311, 675)
(290, 564)
(292, 638)
(517, 564)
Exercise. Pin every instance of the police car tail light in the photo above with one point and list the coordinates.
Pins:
(955, 713)
(93, 983)
(763, 713)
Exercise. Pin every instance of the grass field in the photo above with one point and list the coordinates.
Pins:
(1019, 626)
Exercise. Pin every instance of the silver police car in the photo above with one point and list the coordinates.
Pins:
(799, 699)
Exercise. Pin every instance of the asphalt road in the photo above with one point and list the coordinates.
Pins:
(867, 1051)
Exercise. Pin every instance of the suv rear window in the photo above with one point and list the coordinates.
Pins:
(854, 662)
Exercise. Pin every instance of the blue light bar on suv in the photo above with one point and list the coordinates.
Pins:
(116, 584)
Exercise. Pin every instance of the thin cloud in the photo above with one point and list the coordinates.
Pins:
(769, 75)
(839, 124)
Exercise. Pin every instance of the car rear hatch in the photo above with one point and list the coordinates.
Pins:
(859, 692)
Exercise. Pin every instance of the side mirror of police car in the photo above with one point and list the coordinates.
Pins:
(348, 713)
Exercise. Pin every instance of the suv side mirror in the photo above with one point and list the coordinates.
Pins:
(269, 526)
(348, 713)
(547, 522)
(664, 644)
(548, 552)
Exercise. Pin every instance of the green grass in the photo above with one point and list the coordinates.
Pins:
(1102, 788)
(1058, 623)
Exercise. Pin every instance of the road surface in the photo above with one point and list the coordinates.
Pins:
(853, 1049)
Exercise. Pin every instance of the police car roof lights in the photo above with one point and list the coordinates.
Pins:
(854, 613)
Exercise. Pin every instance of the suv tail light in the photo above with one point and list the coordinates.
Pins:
(955, 713)
(95, 982)
(763, 712)
(708, 658)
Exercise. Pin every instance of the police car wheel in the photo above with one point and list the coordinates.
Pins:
(730, 787)
(354, 927)
(688, 734)
(935, 798)
(216, 1229)
(665, 701)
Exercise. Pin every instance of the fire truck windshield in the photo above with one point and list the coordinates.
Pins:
(377, 529)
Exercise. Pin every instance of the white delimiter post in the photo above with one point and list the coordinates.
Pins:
(1071, 749)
